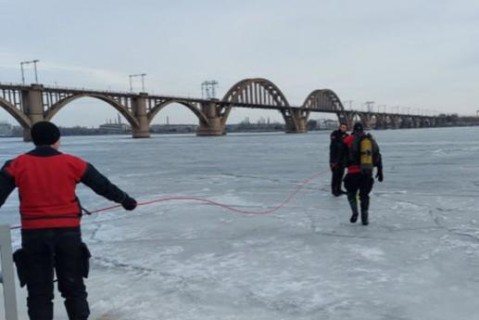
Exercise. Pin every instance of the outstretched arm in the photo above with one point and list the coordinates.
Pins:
(102, 186)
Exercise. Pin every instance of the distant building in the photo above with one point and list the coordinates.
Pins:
(112, 127)
(328, 124)
(173, 128)
(6, 129)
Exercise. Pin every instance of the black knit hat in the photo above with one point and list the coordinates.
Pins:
(358, 127)
(44, 133)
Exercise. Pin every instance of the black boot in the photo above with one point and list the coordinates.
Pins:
(364, 217)
(335, 191)
(364, 211)
(354, 207)
(354, 217)
(77, 309)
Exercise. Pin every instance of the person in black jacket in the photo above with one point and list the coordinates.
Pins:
(50, 221)
(336, 150)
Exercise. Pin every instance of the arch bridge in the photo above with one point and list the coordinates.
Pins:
(32, 103)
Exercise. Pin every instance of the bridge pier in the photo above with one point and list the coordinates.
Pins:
(32, 104)
(215, 125)
(348, 119)
(140, 112)
(343, 118)
(296, 122)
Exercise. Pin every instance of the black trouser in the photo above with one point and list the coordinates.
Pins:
(359, 182)
(336, 179)
(61, 250)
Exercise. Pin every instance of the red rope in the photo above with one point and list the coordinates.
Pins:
(218, 204)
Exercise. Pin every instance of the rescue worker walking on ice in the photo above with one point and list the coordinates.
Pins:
(362, 156)
(336, 163)
(50, 221)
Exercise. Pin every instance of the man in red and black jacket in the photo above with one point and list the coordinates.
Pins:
(50, 220)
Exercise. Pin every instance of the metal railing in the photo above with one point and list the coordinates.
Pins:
(7, 275)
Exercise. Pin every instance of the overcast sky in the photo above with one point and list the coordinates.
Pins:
(416, 54)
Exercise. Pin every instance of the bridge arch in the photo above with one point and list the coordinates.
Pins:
(119, 107)
(257, 91)
(157, 108)
(15, 113)
(324, 100)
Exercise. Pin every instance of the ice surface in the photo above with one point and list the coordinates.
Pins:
(418, 258)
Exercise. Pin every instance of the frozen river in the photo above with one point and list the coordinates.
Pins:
(418, 258)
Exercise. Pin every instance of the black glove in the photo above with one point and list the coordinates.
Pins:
(129, 203)
(379, 175)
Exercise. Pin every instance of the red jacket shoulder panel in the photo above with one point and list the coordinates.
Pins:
(46, 185)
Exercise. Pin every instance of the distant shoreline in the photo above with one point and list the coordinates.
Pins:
(17, 131)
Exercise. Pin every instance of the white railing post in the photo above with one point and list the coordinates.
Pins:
(7, 275)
